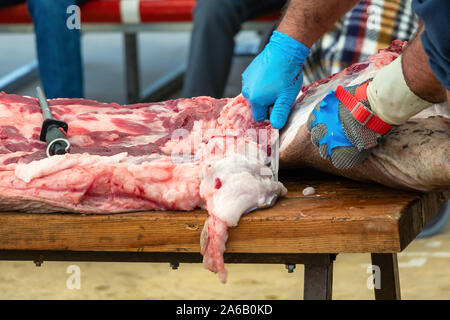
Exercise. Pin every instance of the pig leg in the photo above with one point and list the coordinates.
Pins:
(413, 156)
(212, 243)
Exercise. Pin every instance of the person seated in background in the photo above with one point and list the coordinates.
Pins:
(369, 26)
(216, 22)
(58, 47)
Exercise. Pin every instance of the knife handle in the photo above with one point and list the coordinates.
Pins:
(56, 140)
(52, 123)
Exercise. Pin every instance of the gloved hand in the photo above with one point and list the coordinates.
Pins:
(344, 127)
(275, 77)
(349, 122)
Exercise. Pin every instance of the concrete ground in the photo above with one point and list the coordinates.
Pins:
(424, 271)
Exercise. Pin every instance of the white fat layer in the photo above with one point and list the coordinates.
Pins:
(246, 184)
(46, 166)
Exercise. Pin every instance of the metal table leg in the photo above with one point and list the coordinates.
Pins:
(318, 281)
(390, 283)
(131, 67)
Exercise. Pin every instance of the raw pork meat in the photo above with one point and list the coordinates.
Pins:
(175, 155)
(414, 155)
(185, 153)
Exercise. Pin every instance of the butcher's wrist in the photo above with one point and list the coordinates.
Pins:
(418, 74)
(390, 97)
(294, 32)
(290, 46)
(448, 100)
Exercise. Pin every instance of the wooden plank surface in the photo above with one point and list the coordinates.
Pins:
(343, 216)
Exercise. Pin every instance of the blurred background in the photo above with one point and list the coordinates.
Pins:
(159, 53)
(423, 265)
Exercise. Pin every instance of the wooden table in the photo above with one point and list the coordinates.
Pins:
(343, 216)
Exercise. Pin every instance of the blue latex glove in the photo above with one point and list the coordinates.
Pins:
(343, 137)
(275, 77)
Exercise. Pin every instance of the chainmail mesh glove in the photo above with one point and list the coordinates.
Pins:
(344, 127)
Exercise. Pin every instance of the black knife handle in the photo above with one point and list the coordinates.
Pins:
(51, 124)
(56, 141)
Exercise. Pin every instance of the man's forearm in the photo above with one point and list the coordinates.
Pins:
(417, 72)
(405, 87)
(448, 99)
(307, 20)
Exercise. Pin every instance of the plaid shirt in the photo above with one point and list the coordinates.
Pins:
(371, 25)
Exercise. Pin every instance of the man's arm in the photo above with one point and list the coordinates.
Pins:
(435, 39)
(275, 76)
(417, 72)
(366, 112)
(406, 86)
(307, 20)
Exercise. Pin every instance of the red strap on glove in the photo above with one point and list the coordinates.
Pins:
(359, 111)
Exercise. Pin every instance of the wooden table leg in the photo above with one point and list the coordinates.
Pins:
(390, 284)
(318, 282)
(132, 80)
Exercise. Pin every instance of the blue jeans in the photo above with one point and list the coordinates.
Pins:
(436, 37)
(216, 22)
(58, 49)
